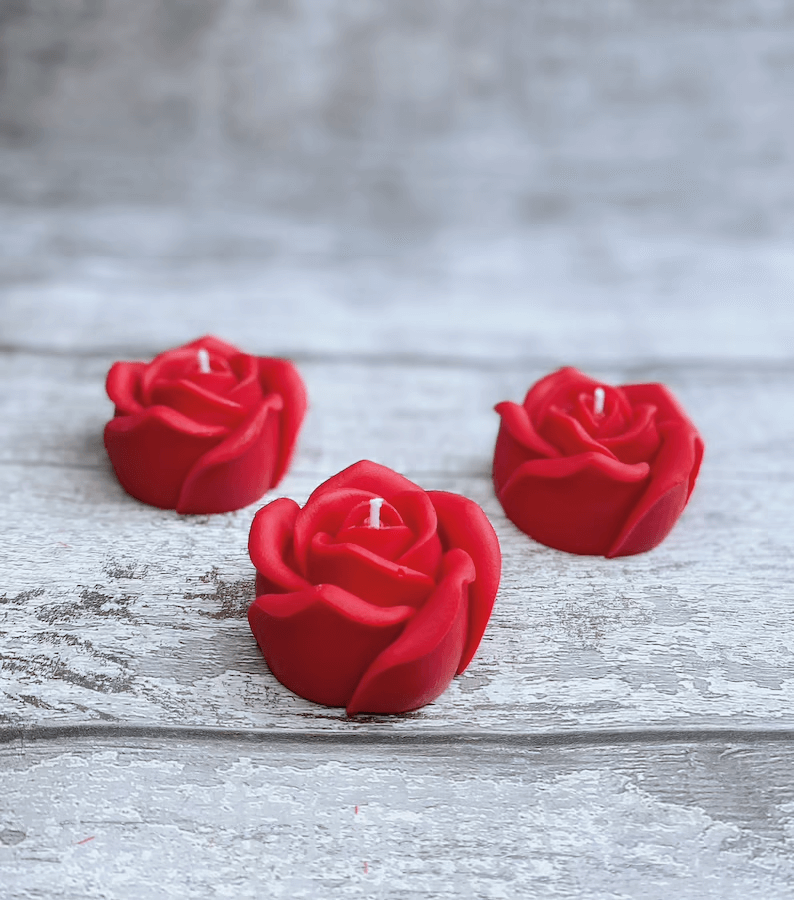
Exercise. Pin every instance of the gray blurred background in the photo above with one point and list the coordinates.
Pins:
(626, 163)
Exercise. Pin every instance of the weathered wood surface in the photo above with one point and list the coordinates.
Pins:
(190, 817)
(599, 290)
(136, 614)
(427, 206)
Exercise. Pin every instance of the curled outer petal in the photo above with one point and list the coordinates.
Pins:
(237, 471)
(464, 525)
(281, 377)
(670, 410)
(420, 664)
(366, 475)
(517, 443)
(577, 504)
(270, 547)
(672, 480)
(122, 387)
(152, 452)
(640, 440)
(420, 515)
(319, 641)
(674, 471)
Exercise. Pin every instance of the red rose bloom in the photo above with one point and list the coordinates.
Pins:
(375, 593)
(589, 468)
(203, 428)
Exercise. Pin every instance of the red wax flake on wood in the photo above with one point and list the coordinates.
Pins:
(86, 840)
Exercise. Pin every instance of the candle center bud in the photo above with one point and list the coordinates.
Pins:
(374, 512)
(599, 396)
(204, 361)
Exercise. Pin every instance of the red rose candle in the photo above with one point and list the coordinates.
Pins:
(375, 593)
(589, 468)
(203, 428)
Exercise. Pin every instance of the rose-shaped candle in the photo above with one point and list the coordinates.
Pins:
(589, 468)
(203, 428)
(375, 593)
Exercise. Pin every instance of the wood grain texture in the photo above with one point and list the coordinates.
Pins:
(601, 290)
(118, 611)
(139, 818)
(427, 206)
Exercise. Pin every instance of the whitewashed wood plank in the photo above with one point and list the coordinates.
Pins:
(607, 290)
(146, 818)
(416, 414)
(570, 244)
(115, 610)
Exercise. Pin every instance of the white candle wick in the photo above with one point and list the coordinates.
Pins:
(204, 361)
(374, 512)
(598, 401)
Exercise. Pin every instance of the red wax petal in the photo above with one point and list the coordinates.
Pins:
(153, 451)
(517, 422)
(367, 476)
(239, 470)
(269, 543)
(463, 524)
(248, 390)
(659, 396)
(562, 387)
(323, 512)
(319, 642)
(614, 417)
(168, 366)
(577, 504)
(569, 436)
(672, 477)
(222, 378)
(122, 385)
(419, 515)
(670, 409)
(388, 542)
(365, 574)
(217, 383)
(420, 664)
(640, 441)
(198, 403)
(282, 378)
